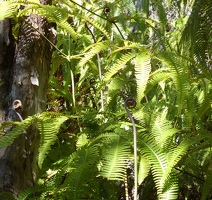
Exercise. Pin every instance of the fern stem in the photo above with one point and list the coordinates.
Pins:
(126, 186)
(130, 102)
(99, 67)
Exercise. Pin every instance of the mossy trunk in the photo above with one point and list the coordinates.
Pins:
(24, 73)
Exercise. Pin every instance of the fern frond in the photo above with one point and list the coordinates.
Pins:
(25, 194)
(11, 135)
(162, 128)
(48, 128)
(142, 71)
(119, 64)
(98, 26)
(9, 8)
(156, 77)
(158, 161)
(115, 158)
(57, 89)
(179, 73)
(80, 169)
(205, 105)
(143, 169)
(127, 45)
(95, 48)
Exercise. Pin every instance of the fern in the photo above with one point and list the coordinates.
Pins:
(8, 138)
(156, 77)
(48, 128)
(119, 64)
(142, 71)
(9, 8)
(158, 162)
(143, 169)
(95, 48)
(115, 158)
(179, 75)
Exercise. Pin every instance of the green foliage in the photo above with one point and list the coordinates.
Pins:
(108, 51)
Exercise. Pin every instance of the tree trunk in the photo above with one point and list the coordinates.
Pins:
(24, 72)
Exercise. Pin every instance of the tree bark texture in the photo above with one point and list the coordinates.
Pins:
(24, 72)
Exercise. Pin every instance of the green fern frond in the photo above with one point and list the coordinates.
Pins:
(98, 26)
(119, 64)
(207, 187)
(9, 8)
(142, 71)
(53, 14)
(128, 45)
(19, 129)
(143, 169)
(177, 152)
(179, 74)
(48, 128)
(25, 194)
(156, 77)
(205, 105)
(115, 157)
(95, 48)
(158, 161)
(161, 128)
(80, 170)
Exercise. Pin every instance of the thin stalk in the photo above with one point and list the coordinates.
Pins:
(99, 67)
(130, 102)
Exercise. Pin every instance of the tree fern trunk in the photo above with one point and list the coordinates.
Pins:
(24, 69)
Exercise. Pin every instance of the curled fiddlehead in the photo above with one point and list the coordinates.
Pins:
(131, 103)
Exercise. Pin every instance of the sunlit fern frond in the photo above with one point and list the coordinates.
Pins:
(158, 162)
(9, 8)
(156, 77)
(92, 50)
(161, 128)
(98, 26)
(179, 75)
(142, 71)
(118, 65)
(143, 169)
(48, 127)
(18, 129)
(115, 157)
(53, 14)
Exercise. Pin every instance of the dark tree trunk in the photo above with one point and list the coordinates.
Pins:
(24, 72)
